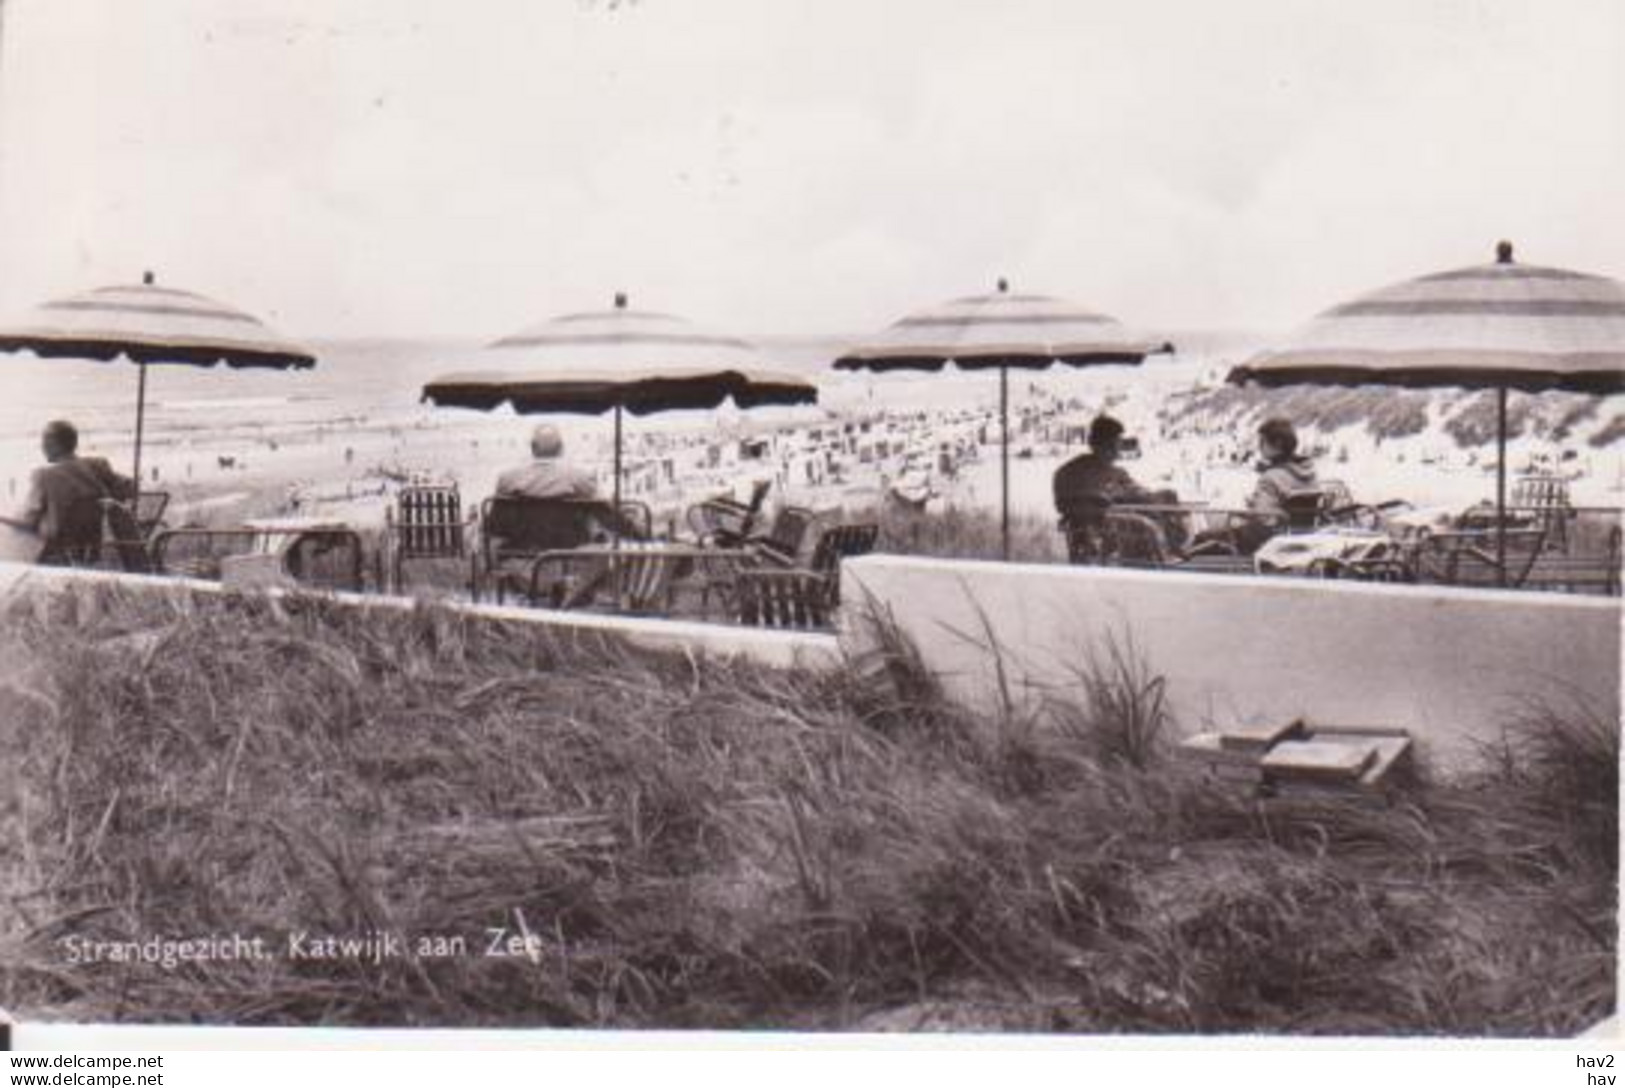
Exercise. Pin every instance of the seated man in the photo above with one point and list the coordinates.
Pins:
(63, 492)
(1089, 482)
(547, 475)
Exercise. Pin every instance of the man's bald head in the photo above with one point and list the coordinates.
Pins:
(545, 441)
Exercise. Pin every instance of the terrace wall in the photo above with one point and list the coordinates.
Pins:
(1449, 665)
(775, 648)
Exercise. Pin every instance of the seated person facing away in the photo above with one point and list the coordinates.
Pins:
(547, 475)
(1281, 471)
(66, 479)
(1089, 482)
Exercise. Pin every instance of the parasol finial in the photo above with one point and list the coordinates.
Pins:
(620, 300)
(148, 278)
(1503, 252)
(1004, 285)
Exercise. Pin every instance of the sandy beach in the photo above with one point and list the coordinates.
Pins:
(336, 442)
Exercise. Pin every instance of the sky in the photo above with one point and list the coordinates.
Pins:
(423, 167)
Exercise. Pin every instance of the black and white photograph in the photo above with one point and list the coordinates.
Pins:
(879, 520)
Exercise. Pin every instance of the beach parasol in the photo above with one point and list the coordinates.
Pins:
(1496, 326)
(148, 324)
(1001, 330)
(619, 360)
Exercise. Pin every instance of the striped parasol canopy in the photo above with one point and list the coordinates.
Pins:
(999, 330)
(148, 324)
(1500, 325)
(619, 358)
(622, 359)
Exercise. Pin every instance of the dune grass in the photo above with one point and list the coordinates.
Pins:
(685, 843)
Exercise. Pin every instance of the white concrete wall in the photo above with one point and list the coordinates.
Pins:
(1450, 665)
(776, 648)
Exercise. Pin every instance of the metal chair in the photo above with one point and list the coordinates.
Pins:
(1598, 572)
(727, 522)
(122, 529)
(839, 542)
(1134, 540)
(426, 522)
(1545, 499)
(1085, 528)
(1468, 557)
(515, 531)
(76, 537)
(637, 579)
(781, 544)
(789, 599)
(148, 514)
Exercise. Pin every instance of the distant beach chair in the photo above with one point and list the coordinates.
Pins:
(426, 522)
(790, 599)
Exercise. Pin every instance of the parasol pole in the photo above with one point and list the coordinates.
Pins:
(616, 520)
(147, 279)
(1004, 460)
(1501, 483)
(1004, 447)
(620, 304)
(140, 425)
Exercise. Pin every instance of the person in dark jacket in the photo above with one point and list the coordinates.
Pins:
(62, 493)
(1089, 482)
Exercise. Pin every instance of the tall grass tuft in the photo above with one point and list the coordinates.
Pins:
(679, 842)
